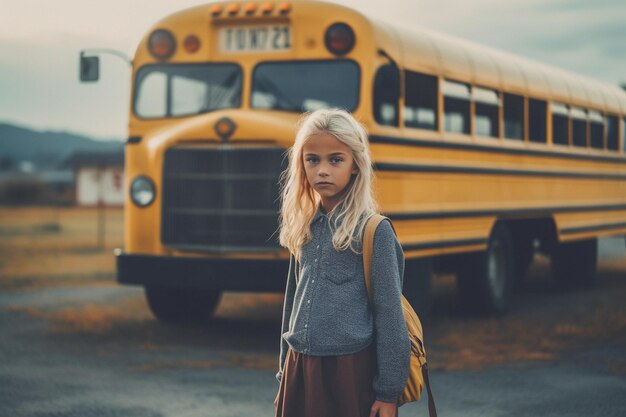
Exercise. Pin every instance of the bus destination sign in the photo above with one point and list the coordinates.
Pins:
(255, 38)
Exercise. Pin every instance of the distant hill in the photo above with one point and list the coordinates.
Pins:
(46, 150)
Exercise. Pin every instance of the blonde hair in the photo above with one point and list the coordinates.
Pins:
(299, 199)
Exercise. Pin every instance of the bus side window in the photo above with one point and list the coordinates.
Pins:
(420, 101)
(537, 120)
(596, 122)
(513, 116)
(486, 114)
(612, 140)
(560, 123)
(456, 105)
(386, 95)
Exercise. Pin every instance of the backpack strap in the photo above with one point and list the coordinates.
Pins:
(432, 409)
(368, 249)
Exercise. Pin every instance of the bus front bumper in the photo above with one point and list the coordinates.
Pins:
(193, 272)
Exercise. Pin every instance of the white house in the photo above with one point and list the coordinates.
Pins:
(99, 178)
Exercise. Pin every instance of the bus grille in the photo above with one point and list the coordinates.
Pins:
(221, 199)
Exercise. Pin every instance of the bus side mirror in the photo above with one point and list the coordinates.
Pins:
(89, 68)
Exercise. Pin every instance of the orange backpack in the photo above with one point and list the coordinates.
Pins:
(418, 375)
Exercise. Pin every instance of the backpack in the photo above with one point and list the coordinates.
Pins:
(418, 375)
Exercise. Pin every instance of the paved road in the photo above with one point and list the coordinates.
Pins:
(94, 350)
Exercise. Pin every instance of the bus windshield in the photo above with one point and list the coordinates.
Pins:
(305, 85)
(186, 89)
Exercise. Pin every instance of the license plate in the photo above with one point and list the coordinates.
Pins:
(255, 38)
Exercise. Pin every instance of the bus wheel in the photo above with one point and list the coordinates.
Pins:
(524, 255)
(485, 280)
(574, 264)
(182, 305)
(417, 285)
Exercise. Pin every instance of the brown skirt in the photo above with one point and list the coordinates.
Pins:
(327, 386)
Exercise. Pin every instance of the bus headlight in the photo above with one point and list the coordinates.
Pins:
(142, 191)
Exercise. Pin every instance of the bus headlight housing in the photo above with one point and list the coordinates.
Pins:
(339, 38)
(142, 191)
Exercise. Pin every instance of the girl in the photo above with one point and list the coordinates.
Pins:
(339, 356)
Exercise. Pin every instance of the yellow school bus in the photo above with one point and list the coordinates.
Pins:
(481, 157)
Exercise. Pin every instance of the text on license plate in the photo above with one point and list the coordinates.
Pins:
(255, 38)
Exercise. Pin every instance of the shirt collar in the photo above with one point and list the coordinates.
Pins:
(321, 213)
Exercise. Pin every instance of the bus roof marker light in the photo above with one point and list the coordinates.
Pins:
(191, 44)
(161, 44)
(250, 8)
(224, 128)
(284, 8)
(233, 9)
(216, 10)
(339, 38)
(267, 8)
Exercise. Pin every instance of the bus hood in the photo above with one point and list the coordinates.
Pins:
(262, 127)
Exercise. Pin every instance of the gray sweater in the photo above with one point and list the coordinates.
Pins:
(327, 312)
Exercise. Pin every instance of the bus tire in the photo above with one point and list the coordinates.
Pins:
(485, 280)
(182, 305)
(417, 285)
(574, 264)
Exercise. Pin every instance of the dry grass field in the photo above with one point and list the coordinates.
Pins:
(54, 245)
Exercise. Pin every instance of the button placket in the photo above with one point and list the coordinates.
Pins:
(315, 272)
(320, 235)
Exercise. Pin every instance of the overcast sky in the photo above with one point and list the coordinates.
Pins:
(40, 42)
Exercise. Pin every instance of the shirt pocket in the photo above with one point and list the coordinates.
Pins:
(341, 267)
